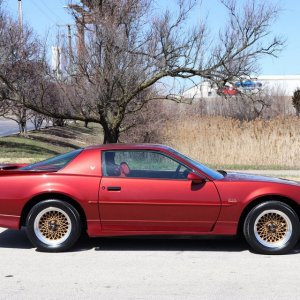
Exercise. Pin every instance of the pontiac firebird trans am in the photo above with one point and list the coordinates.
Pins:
(119, 189)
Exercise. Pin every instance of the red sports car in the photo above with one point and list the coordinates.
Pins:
(119, 189)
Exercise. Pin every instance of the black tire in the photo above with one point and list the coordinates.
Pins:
(272, 227)
(53, 225)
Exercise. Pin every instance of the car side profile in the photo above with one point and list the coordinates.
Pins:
(145, 189)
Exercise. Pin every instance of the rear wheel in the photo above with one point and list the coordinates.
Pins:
(272, 228)
(53, 225)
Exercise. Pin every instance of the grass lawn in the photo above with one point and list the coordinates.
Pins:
(48, 142)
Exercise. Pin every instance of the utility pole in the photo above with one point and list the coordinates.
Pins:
(70, 41)
(70, 48)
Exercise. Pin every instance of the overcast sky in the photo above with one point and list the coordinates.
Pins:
(45, 15)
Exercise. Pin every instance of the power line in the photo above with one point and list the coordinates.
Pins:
(42, 11)
(53, 13)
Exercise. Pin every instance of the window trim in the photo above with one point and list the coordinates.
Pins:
(143, 150)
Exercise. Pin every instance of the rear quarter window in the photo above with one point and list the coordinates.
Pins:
(55, 163)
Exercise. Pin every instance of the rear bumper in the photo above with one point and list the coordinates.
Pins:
(9, 221)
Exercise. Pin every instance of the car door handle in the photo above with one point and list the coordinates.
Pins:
(114, 188)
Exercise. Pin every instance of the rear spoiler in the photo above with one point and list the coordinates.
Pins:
(7, 167)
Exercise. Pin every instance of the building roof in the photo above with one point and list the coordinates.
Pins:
(278, 77)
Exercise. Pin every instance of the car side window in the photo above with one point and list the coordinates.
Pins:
(142, 164)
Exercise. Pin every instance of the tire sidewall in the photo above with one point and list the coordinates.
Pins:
(250, 221)
(75, 225)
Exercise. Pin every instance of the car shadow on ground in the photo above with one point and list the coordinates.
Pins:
(15, 239)
(167, 244)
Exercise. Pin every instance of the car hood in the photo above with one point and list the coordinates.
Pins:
(236, 176)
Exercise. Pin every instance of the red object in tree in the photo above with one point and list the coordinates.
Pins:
(227, 91)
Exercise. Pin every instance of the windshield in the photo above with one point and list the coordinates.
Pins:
(210, 172)
(53, 164)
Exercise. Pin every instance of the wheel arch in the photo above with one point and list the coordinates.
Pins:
(57, 196)
(294, 205)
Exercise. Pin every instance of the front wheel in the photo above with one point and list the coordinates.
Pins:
(53, 225)
(272, 228)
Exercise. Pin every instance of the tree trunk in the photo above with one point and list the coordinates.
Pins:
(59, 122)
(23, 122)
(111, 135)
(23, 128)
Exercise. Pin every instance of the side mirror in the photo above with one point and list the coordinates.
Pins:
(196, 178)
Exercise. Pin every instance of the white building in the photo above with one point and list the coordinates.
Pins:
(203, 90)
(56, 60)
(283, 84)
(287, 84)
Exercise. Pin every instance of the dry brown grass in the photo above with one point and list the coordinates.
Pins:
(227, 142)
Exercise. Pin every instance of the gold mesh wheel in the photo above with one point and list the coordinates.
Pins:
(52, 226)
(273, 228)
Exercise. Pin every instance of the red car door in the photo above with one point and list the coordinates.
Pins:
(141, 202)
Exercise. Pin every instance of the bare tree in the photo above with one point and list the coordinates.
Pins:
(296, 101)
(22, 70)
(17, 112)
(248, 105)
(129, 49)
(38, 120)
(150, 119)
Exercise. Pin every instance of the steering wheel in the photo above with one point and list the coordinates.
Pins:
(176, 174)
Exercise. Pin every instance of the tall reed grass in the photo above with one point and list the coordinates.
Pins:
(221, 141)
